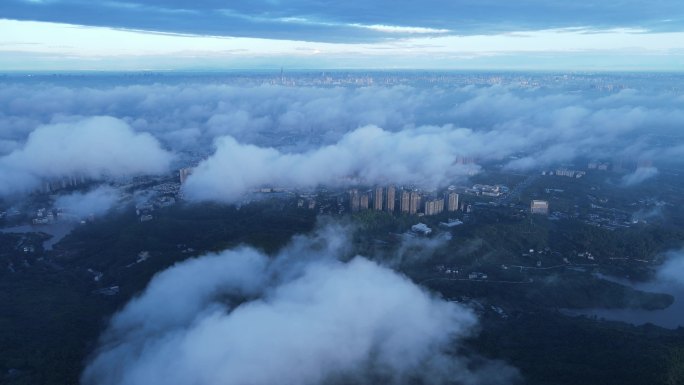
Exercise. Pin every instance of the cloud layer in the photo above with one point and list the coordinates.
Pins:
(302, 318)
(306, 135)
(41, 46)
(93, 148)
(315, 20)
(366, 155)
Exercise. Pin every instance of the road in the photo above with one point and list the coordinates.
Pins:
(517, 190)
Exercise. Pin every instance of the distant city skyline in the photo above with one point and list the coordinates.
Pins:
(49, 35)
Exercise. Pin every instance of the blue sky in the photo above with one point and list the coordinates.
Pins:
(171, 34)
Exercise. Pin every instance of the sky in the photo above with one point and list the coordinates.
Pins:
(434, 34)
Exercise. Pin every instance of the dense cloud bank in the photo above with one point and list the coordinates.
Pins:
(197, 111)
(368, 154)
(304, 136)
(302, 317)
(92, 148)
(188, 115)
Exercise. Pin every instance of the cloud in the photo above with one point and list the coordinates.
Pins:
(501, 122)
(7, 146)
(94, 148)
(649, 214)
(672, 271)
(239, 317)
(519, 124)
(640, 175)
(199, 111)
(365, 155)
(414, 250)
(335, 22)
(402, 29)
(183, 112)
(61, 46)
(94, 202)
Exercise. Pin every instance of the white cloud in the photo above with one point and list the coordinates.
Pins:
(672, 271)
(304, 318)
(303, 136)
(639, 176)
(401, 29)
(94, 202)
(365, 155)
(79, 45)
(93, 147)
(539, 127)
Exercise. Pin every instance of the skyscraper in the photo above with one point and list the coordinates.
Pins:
(434, 206)
(389, 202)
(439, 206)
(429, 207)
(364, 201)
(184, 173)
(404, 203)
(377, 199)
(414, 203)
(354, 200)
(452, 201)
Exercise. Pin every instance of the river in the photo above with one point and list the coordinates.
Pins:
(671, 317)
(56, 230)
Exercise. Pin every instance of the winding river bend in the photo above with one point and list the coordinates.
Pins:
(57, 230)
(671, 317)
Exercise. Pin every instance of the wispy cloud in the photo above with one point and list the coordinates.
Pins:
(351, 22)
(402, 29)
(412, 50)
(309, 21)
(146, 8)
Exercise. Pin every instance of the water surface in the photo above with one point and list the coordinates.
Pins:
(56, 230)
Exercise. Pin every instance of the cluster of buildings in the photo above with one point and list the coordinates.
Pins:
(44, 217)
(487, 190)
(405, 201)
(309, 203)
(595, 165)
(144, 209)
(565, 172)
(62, 183)
(619, 164)
(422, 229)
(48, 216)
